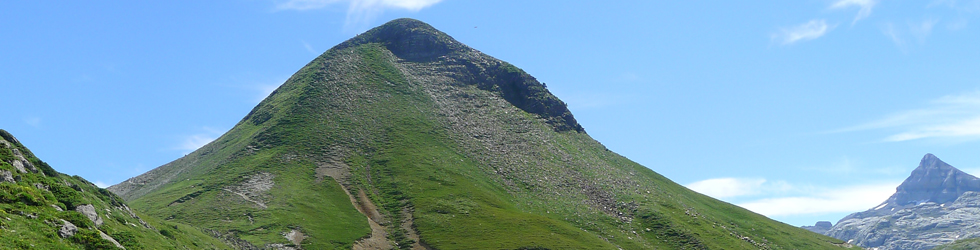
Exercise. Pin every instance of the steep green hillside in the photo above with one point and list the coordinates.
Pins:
(964, 244)
(403, 137)
(43, 209)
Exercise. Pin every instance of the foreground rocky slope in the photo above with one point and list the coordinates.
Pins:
(937, 204)
(43, 209)
(403, 137)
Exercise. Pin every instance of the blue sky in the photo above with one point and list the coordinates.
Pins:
(799, 110)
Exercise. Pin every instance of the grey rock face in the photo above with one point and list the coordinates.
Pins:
(67, 230)
(89, 211)
(934, 181)
(6, 176)
(821, 227)
(22, 164)
(937, 204)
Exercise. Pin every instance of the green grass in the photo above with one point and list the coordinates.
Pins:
(962, 244)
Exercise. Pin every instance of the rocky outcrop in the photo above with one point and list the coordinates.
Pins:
(6, 176)
(937, 204)
(67, 230)
(821, 227)
(89, 211)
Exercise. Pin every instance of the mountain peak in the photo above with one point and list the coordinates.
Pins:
(409, 39)
(418, 42)
(930, 161)
(936, 181)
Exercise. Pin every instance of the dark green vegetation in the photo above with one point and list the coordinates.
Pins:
(432, 144)
(37, 202)
(964, 244)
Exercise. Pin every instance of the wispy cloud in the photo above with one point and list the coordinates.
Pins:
(918, 31)
(264, 90)
(953, 117)
(735, 187)
(784, 199)
(846, 199)
(922, 29)
(308, 47)
(807, 31)
(359, 12)
(34, 121)
(189, 143)
(864, 7)
(968, 6)
(101, 184)
(847, 167)
(894, 34)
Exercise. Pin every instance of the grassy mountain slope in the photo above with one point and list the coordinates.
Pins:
(403, 137)
(964, 244)
(37, 202)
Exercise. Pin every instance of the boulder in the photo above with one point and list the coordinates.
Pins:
(6, 176)
(89, 211)
(67, 230)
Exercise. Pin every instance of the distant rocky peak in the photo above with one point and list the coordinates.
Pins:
(934, 181)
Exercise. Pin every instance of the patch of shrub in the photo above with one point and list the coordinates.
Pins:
(119, 218)
(128, 240)
(6, 154)
(91, 240)
(167, 233)
(110, 197)
(76, 218)
(66, 195)
(11, 193)
(45, 168)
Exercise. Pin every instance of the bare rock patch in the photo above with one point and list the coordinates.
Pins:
(255, 188)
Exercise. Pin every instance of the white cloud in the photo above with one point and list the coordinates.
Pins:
(736, 187)
(894, 34)
(785, 199)
(952, 117)
(847, 199)
(264, 90)
(193, 142)
(33, 121)
(359, 12)
(807, 31)
(864, 7)
(101, 184)
(921, 30)
(965, 129)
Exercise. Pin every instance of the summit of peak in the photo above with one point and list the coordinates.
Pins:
(935, 181)
(931, 161)
(408, 39)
